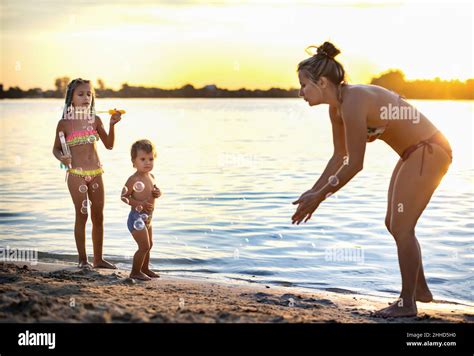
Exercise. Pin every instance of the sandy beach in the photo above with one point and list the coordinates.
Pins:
(59, 292)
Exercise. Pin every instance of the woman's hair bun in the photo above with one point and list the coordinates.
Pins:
(328, 49)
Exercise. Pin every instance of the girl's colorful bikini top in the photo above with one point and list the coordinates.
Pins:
(82, 137)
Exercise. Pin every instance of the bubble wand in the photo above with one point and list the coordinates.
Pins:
(111, 112)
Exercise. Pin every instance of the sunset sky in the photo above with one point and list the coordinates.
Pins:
(233, 44)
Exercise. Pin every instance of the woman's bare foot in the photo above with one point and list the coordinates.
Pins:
(397, 309)
(84, 265)
(423, 296)
(140, 275)
(104, 264)
(150, 273)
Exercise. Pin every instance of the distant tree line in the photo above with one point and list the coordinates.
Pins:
(128, 91)
(425, 89)
(393, 80)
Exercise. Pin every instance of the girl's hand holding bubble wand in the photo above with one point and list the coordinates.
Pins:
(116, 115)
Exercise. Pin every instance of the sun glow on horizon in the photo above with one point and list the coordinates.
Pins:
(229, 44)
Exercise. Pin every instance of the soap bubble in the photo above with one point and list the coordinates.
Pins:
(236, 254)
(125, 200)
(139, 208)
(83, 188)
(87, 178)
(139, 186)
(139, 224)
(291, 302)
(91, 139)
(333, 180)
(85, 203)
(328, 195)
(144, 217)
(95, 186)
(90, 128)
(84, 211)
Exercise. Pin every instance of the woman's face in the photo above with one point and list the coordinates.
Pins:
(82, 96)
(309, 90)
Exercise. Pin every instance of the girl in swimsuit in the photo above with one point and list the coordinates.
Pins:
(356, 117)
(82, 129)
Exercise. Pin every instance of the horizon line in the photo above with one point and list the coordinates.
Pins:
(435, 79)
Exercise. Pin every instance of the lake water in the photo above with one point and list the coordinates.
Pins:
(229, 170)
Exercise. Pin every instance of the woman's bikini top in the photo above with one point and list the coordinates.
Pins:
(374, 133)
(82, 137)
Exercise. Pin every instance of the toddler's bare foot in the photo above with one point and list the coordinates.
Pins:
(104, 264)
(150, 273)
(397, 310)
(140, 275)
(84, 264)
(423, 296)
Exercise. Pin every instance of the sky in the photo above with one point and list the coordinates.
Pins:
(233, 44)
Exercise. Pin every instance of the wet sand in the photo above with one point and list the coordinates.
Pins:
(60, 292)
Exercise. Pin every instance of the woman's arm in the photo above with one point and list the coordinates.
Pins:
(354, 117)
(338, 138)
(108, 139)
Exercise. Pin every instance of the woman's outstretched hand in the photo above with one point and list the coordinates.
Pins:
(308, 202)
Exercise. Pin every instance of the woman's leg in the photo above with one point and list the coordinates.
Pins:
(422, 292)
(410, 196)
(97, 198)
(143, 242)
(78, 194)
